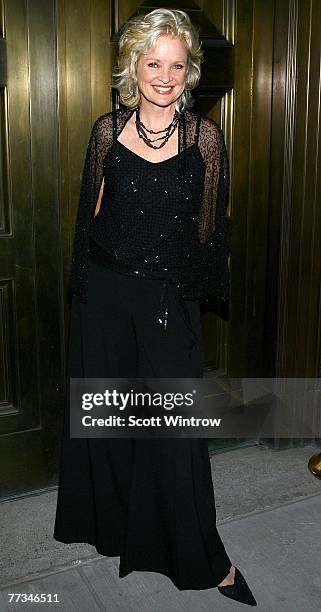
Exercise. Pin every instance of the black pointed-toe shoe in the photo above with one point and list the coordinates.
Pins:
(240, 591)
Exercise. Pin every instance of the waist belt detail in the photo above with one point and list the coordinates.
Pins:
(100, 255)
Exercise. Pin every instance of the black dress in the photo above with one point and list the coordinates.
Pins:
(149, 501)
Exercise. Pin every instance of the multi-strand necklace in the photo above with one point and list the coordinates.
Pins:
(167, 132)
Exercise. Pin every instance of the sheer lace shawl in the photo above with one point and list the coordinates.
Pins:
(206, 274)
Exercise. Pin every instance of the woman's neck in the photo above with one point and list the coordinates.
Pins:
(156, 117)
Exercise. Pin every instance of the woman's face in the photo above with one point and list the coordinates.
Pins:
(161, 72)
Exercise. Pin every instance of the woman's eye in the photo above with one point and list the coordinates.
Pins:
(155, 65)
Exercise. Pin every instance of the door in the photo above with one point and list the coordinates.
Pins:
(31, 296)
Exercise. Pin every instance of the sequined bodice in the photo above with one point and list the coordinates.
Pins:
(147, 209)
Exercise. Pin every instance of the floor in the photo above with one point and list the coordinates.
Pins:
(268, 515)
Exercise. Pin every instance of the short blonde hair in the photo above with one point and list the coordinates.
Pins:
(139, 36)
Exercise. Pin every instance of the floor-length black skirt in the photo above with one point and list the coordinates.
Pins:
(149, 501)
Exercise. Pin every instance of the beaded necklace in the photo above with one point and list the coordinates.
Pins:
(168, 131)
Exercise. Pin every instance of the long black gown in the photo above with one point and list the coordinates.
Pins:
(148, 501)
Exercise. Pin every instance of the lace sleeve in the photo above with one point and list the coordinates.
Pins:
(213, 227)
(207, 275)
(100, 139)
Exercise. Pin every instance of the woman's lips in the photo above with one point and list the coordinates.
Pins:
(163, 90)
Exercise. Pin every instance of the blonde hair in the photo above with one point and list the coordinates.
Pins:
(139, 36)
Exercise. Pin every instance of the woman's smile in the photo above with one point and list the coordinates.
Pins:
(164, 89)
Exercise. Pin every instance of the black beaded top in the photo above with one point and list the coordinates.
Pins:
(161, 220)
(144, 217)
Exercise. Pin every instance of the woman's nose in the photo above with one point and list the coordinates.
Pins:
(165, 76)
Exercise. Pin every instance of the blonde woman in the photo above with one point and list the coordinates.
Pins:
(150, 244)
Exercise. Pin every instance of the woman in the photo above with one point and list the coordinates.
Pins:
(150, 242)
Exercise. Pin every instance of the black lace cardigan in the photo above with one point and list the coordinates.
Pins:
(205, 274)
